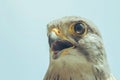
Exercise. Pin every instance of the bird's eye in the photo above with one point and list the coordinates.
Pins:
(78, 29)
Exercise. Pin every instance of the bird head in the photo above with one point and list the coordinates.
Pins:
(75, 37)
(76, 50)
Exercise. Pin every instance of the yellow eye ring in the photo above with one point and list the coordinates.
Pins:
(79, 29)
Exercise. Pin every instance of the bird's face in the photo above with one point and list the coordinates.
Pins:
(75, 37)
(76, 51)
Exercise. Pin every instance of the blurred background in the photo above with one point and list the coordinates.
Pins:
(24, 50)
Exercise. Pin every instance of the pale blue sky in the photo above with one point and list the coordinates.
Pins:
(24, 51)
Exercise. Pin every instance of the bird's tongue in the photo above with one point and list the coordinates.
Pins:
(60, 45)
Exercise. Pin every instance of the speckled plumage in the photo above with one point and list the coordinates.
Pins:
(85, 59)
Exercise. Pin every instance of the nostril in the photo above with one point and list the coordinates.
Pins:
(58, 32)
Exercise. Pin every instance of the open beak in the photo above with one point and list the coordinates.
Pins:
(58, 42)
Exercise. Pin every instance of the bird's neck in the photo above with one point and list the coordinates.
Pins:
(77, 71)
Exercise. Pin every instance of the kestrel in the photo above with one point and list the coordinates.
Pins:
(76, 51)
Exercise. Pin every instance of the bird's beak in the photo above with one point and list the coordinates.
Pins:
(58, 41)
(53, 36)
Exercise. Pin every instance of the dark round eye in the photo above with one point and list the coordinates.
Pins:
(79, 28)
